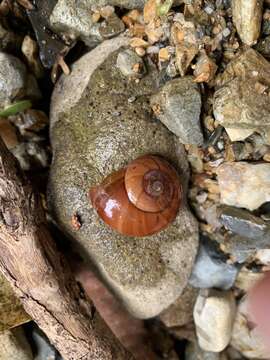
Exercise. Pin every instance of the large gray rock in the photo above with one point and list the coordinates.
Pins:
(95, 130)
(178, 106)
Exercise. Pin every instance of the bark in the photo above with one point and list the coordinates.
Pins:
(41, 277)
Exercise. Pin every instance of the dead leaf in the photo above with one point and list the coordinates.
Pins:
(149, 11)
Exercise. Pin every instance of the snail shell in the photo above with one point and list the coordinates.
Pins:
(140, 199)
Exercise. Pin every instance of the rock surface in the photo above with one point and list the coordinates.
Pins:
(247, 17)
(239, 101)
(178, 106)
(214, 314)
(14, 346)
(11, 310)
(12, 78)
(245, 338)
(180, 312)
(194, 352)
(243, 223)
(130, 64)
(211, 269)
(243, 184)
(95, 130)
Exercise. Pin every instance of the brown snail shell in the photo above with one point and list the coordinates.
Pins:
(140, 199)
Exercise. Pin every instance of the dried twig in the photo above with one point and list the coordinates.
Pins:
(41, 278)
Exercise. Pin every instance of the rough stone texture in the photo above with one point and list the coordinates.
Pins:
(75, 18)
(247, 17)
(245, 338)
(245, 224)
(11, 311)
(237, 102)
(180, 312)
(244, 184)
(178, 106)
(12, 78)
(127, 61)
(214, 314)
(94, 131)
(211, 269)
(194, 352)
(14, 346)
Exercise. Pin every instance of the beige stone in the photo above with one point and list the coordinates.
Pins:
(247, 17)
(214, 313)
(244, 184)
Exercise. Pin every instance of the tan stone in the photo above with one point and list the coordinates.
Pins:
(11, 311)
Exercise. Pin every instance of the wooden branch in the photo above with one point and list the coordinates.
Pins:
(41, 277)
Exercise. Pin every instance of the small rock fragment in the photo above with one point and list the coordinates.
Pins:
(214, 314)
(14, 346)
(178, 106)
(238, 134)
(205, 69)
(183, 34)
(245, 337)
(130, 64)
(247, 17)
(243, 223)
(12, 78)
(30, 51)
(72, 17)
(211, 269)
(180, 312)
(111, 27)
(244, 184)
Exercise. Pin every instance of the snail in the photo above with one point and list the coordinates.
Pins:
(140, 199)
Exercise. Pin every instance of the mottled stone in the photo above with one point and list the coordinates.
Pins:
(214, 314)
(244, 184)
(74, 18)
(243, 223)
(95, 130)
(245, 338)
(178, 106)
(239, 102)
(194, 352)
(180, 312)
(247, 17)
(130, 64)
(14, 346)
(11, 310)
(211, 269)
(12, 78)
